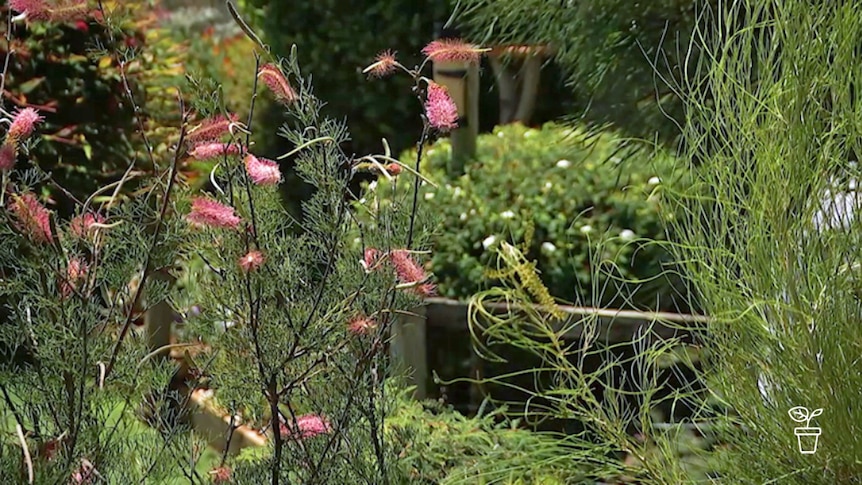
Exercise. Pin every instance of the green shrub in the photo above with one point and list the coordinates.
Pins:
(563, 190)
(65, 70)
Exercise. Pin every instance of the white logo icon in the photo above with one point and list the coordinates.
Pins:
(806, 436)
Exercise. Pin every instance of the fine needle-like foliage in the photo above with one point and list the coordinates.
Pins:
(770, 241)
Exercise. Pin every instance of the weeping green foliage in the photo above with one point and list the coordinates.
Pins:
(771, 246)
(771, 240)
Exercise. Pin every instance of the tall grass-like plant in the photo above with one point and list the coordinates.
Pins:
(771, 245)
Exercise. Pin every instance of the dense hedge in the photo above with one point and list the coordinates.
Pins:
(589, 199)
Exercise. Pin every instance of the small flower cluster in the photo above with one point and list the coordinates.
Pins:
(441, 111)
(408, 272)
(57, 11)
(305, 426)
(21, 127)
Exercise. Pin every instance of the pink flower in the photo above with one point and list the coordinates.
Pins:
(212, 128)
(209, 213)
(34, 9)
(370, 258)
(408, 271)
(308, 426)
(8, 156)
(361, 325)
(23, 124)
(251, 261)
(220, 474)
(452, 50)
(33, 219)
(75, 273)
(67, 10)
(210, 150)
(262, 171)
(277, 83)
(82, 225)
(440, 110)
(384, 64)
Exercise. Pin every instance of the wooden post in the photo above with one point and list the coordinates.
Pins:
(462, 81)
(408, 350)
(159, 319)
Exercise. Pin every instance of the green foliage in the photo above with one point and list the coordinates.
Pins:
(72, 73)
(440, 446)
(336, 41)
(773, 235)
(560, 191)
(621, 56)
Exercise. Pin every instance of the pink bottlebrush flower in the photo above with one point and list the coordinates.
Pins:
(33, 219)
(384, 64)
(308, 426)
(34, 9)
(82, 225)
(212, 128)
(221, 474)
(209, 213)
(361, 325)
(452, 50)
(67, 10)
(23, 124)
(277, 83)
(8, 156)
(75, 273)
(210, 150)
(408, 271)
(441, 111)
(370, 258)
(426, 290)
(262, 171)
(251, 261)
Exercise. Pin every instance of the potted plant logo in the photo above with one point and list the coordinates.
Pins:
(806, 436)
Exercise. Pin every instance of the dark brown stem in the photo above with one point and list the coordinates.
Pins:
(145, 272)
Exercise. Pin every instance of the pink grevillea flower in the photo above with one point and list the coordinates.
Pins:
(452, 50)
(370, 258)
(408, 271)
(384, 64)
(82, 225)
(440, 110)
(277, 83)
(361, 325)
(251, 261)
(308, 426)
(76, 272)
(209, 213)
(33, 219)
(220, 474)
(33, 9)
(64, 11)
(8, 156)
(23, 124)
(210, 150)
(262, 171)
(213, 128)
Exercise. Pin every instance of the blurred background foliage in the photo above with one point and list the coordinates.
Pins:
(64, 70)
(560, 191)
